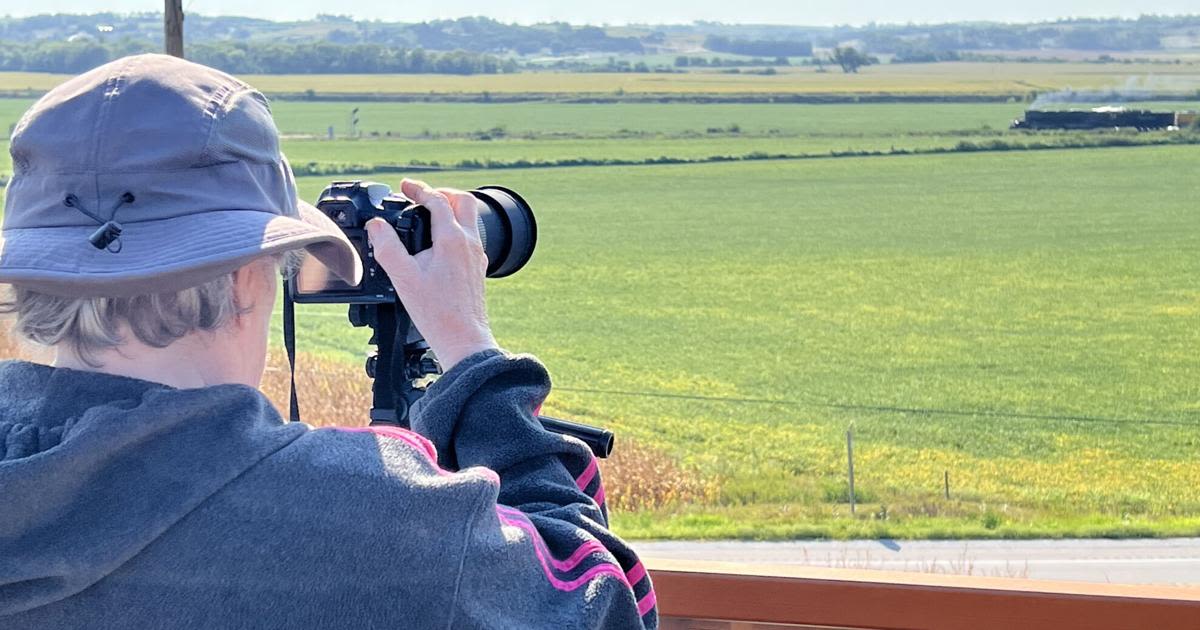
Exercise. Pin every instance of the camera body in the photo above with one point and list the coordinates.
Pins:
(350, 204)
(506, 228)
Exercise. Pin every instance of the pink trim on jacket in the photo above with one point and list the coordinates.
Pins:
(546, 559)
(636, 574)
(646, 603)
(586, 549)
(416, 440)
(585, 478)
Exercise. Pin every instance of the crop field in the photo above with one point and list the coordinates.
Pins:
(603, 119)
(452, 134)
(1024, 322)
(898, 79)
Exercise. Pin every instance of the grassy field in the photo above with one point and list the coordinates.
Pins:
(402, 133)
(415, 119)
(912, 79)
(449, 133)
(1026, 321)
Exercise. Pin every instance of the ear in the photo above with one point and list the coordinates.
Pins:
(250, 282)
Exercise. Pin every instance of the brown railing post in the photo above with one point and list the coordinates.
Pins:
(173, 27)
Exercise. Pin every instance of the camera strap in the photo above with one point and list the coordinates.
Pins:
(387, 363)
(289, 346)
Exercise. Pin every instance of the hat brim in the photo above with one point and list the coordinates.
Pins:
(168, 254)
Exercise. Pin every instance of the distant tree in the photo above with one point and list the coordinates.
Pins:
(850, 59)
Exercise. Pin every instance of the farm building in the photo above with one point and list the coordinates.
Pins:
(1104, 118)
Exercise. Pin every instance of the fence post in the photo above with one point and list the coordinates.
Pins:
(850, 459)
(947, 485)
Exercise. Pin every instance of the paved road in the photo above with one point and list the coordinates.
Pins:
(1166, 561)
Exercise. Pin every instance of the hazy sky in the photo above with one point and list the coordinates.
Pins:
(626, 11)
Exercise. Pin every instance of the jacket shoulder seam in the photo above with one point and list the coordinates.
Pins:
(462, 561)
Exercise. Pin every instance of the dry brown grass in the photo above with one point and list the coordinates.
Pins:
(8, 349)
(640, 477)
(12, 349)
(331, 393)
(336, 393)
(636, 477)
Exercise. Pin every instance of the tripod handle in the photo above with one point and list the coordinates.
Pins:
(597, 439)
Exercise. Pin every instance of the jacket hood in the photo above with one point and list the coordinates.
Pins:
(94, 468)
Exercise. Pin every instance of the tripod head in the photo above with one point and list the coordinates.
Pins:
(400, 365)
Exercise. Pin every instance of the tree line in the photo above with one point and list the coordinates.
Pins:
(759, 47)
(472, 34)
(72, 57)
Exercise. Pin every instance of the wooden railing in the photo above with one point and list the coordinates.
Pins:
(722, 596)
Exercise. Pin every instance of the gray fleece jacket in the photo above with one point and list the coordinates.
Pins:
(129, 504)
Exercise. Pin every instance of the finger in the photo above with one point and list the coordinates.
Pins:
(441, 217)
(466, 209)
(389, 251)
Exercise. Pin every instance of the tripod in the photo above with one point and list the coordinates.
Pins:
(401, 365)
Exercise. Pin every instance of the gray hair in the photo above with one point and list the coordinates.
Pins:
(92, 325)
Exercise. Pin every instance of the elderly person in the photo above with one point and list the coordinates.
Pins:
(145, 482)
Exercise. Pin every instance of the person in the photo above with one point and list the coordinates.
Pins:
(147, 483)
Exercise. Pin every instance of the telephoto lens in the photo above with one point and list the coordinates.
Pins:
(507, 228)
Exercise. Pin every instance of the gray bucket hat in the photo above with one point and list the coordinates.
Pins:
(152, 174)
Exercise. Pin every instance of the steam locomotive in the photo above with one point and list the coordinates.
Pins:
(1103, 118)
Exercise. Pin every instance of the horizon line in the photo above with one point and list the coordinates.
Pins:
(631, 24)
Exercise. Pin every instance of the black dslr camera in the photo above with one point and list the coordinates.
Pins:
(402, 361)
(506, 227)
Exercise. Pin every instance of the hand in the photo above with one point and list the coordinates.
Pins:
(441, 287)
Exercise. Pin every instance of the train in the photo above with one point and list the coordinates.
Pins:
(1104, 118)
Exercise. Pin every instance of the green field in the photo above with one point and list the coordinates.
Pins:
(413, 119)
(1027, 321)
(447, 134)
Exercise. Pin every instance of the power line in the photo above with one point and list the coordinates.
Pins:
(929, 411)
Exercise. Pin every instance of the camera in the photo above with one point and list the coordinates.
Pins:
(506, 228)
(402, 361)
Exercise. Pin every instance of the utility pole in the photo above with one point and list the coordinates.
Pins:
(173, 27)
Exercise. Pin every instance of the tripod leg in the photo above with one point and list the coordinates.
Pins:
(383, 395)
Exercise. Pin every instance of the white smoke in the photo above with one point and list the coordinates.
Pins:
(1144, 88)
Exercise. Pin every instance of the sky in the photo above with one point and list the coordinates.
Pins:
(640, 11)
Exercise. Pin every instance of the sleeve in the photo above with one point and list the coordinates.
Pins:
(538, 552)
